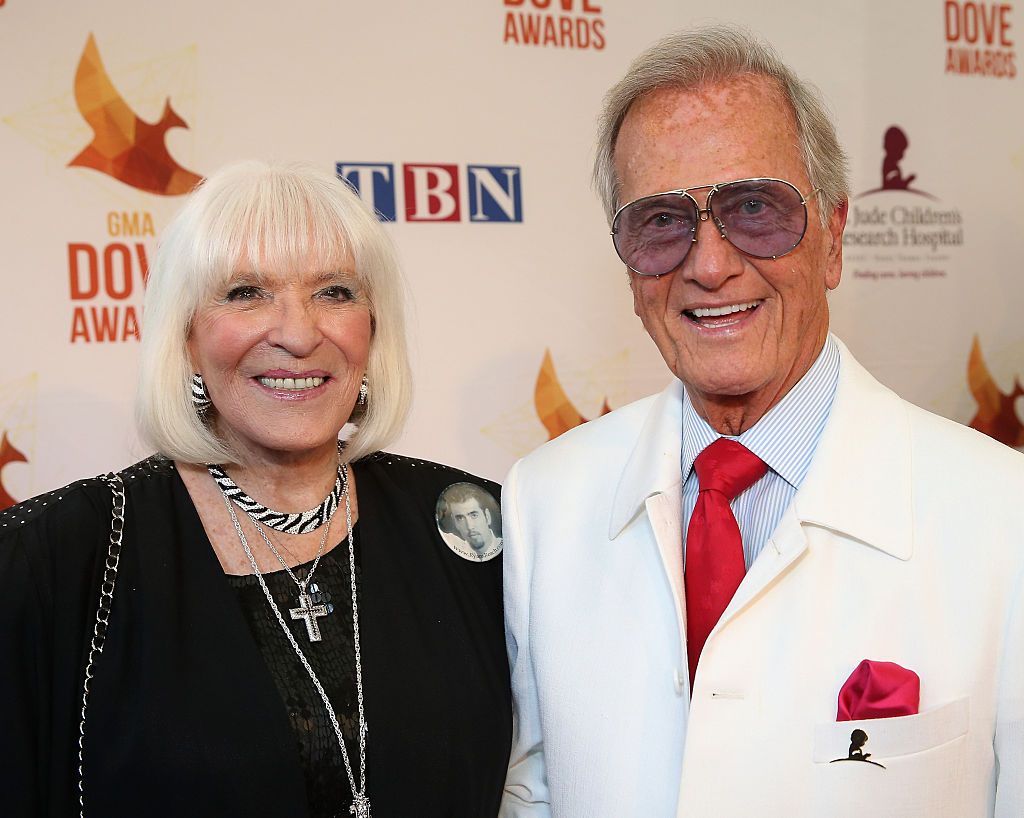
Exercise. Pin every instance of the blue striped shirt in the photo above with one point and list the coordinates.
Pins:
(785, 438)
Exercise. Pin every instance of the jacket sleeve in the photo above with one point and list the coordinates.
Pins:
(50, 564)
(24, 683)
(526, 785)
(1009, 734)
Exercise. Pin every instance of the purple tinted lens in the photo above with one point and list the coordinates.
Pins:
(653, 234)
(761, 217)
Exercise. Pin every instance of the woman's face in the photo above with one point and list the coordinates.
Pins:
(283, 353)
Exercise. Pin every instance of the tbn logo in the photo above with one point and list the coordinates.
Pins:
(434, 193)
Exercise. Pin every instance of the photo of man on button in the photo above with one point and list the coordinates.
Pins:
(777, 552)
(469, 521)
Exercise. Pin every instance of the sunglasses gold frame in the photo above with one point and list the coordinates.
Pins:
(705, 213)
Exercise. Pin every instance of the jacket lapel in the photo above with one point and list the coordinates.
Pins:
(651, 483)
(859, 484)
(653, 465)
(861, 481)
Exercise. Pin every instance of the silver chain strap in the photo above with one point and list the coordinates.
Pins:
(99, 630)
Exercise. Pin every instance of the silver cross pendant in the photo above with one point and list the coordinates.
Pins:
(308, 611)
(360, 806)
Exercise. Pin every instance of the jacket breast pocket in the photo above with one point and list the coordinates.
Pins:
(905, 766)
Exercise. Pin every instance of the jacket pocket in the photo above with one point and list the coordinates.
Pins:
(903, 767)
(888, 738)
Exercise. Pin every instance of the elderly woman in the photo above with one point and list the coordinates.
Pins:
(280, 628)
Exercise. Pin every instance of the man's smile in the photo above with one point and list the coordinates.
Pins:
(726, 315)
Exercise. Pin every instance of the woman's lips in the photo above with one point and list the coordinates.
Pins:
(284, 385)
(291, 384)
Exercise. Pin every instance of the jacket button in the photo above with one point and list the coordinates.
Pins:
(679, 681)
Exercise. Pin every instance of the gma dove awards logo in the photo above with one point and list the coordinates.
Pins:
(125, 146)
(997, 413)
(568, 24)
(554, 408)
(899, 230)
(8, 454)
(18, 426)
(104, 278)
(978, 39)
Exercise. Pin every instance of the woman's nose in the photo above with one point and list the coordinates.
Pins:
(295, 328)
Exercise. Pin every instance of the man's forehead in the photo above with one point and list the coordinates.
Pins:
(709, 104)
(737, 128)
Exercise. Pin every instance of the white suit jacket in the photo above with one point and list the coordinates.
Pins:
(904, 544)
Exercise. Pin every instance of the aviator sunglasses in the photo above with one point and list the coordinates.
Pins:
(764, 218)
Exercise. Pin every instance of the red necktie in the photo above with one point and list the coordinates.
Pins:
(714, 548)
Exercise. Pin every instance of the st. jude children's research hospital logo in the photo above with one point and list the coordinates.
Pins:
(898, 229)
(438, 193)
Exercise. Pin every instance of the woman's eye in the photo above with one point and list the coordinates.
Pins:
(752, 207)
(245, 292)
(337, 292)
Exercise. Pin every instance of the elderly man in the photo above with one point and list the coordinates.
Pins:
(775, 588)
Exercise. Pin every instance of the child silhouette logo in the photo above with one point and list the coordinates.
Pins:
(858, 738)
(895, 144)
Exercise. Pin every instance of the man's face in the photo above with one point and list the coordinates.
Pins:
(740, 129)
(472, 523)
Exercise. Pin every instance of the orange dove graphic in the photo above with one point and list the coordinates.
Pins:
(124, 146)
(996, 415)
(554, 408)
(8, 454)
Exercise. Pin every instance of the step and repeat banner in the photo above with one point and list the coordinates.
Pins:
(469, 125)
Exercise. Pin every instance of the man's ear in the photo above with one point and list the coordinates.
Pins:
(487, 516)
(633, 285)
(834, 259)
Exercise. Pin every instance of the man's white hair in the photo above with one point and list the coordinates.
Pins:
(697, 58)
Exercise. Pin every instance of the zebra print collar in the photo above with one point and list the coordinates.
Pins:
(298, 523)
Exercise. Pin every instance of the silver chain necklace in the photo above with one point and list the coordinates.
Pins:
(360, 806)
(306, 609)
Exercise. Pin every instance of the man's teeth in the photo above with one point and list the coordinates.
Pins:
(291, 383)
(714, 312)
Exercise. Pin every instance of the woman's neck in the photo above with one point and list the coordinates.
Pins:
(286, 481)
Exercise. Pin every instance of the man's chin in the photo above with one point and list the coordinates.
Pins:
(727, 386)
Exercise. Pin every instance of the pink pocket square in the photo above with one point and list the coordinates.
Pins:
(879, 690)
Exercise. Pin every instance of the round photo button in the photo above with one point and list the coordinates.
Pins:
(469, 522)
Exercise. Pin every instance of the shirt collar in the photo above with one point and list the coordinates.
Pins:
(867, 434)
(786, 437)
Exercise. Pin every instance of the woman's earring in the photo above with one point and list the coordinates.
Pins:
(364, 390)
(200, 397)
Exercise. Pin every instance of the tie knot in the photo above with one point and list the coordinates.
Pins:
(728, 467)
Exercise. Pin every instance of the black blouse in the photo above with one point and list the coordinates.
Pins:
(184, 716)
(332, 659)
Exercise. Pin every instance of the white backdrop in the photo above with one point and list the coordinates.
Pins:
(456, 82)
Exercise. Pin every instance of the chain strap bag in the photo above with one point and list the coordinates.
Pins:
(99, 630)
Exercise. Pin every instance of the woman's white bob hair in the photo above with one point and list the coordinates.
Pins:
(271, 215)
